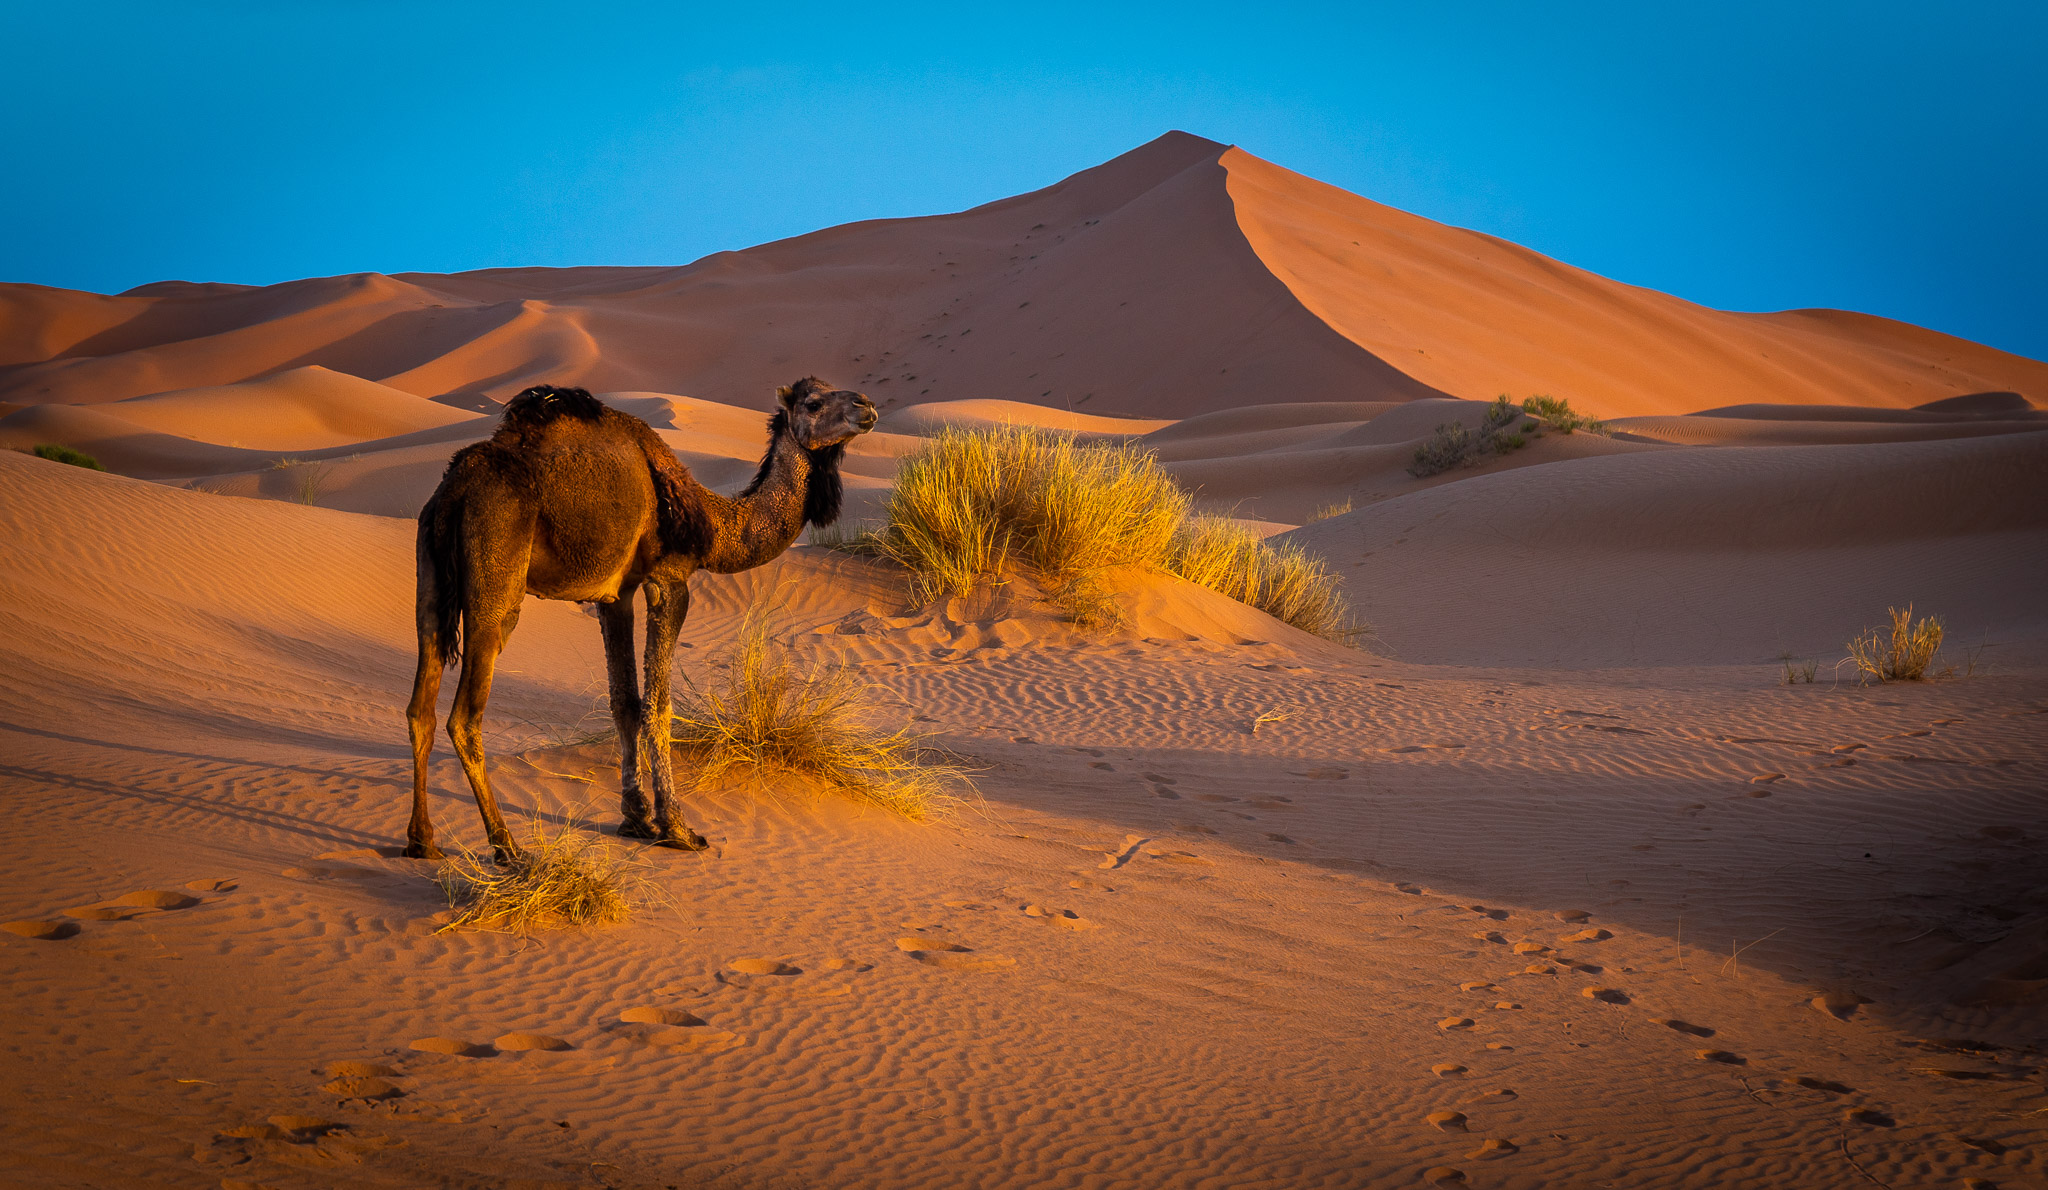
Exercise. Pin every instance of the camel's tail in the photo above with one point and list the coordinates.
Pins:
(443, 575)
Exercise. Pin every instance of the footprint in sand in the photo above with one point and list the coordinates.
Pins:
(1869, 1118)
(1531, 948)
(1838, 1004)
(1476, 986)
(1111, 860)
(452, 1045)
(1495, 914)
(660, 1016)
(696, 1041)
(1593, 935)
(1163, 792)
(212, 885)
(1447, 1070)
(1273, 837)
(1494, 1098)
(845, 965)
(1766, 778)
(1539, 969)
(1493, 936)
(1454, 1022)
(1685, 1027)
(1402, 886)
(42, 931)
(1572, 916)
(518, 1042)
(1493, 1147)
(1822, 1084)
(952, 956)
(1443, 1175)
(1447, 1121)
(370, 1088)
(157, 898)
(303, 1127)
(1605, 995)
(1721, 1056)
(1161, 778)
(763, 967)
(1508, 1006)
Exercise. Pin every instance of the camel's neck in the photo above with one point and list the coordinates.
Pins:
(761, 522)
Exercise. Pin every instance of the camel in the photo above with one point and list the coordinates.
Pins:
(571, 499)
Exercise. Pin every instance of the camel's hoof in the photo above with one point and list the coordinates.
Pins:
(508, 857)
(423, 851)
(638, 829)
(683, 839)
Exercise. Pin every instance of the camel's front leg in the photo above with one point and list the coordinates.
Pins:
(668, 602)
(636, 820)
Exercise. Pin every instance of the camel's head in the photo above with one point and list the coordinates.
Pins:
(821, 415)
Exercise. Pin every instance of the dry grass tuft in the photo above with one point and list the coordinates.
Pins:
(768, 713)
(1902, 654)
(1328, 511)
(976, 505)
(1284, 581)
(566, 878)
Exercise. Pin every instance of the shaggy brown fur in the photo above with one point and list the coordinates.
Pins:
(571, 499)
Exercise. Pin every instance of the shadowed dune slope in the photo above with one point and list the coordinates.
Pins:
(1180, 278)
(1703, 556)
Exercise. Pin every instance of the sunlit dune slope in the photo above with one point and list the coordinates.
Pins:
(1180, 278)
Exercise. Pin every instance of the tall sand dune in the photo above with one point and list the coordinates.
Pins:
(1183, 277)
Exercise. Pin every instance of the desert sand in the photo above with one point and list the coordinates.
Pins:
(1552, 882)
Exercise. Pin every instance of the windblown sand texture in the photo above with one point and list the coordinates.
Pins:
(1552, 884)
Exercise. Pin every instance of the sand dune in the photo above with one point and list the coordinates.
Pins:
(302, 409)
(1181, 278)
(1555, 882)
(1703, 556)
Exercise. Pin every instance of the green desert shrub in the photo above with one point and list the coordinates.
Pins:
(980, 504)
(1901, 653)
(1558, 414)
(768, 712)
(1451, 446)
(64, 454)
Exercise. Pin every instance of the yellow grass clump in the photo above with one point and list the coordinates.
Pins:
(1284, 581)
(565, 878)
(976, 505)
(770, 713)
(1901, 654)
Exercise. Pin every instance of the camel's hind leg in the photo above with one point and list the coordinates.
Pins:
(636, 819)
(668, 602)
(419, 717)
(483, 639)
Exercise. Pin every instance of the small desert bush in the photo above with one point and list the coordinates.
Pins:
(1328, 511)
(64, 454)
(566, 878)
(770, 713)
(1558, 414)
(1286, 582)
(980, 504)
(1455, 446)
(1800, 672)
(1902, 653)
(975, 503)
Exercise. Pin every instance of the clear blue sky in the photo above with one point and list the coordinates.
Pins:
(1884, 157)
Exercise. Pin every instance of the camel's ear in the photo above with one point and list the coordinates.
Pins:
(787, 395)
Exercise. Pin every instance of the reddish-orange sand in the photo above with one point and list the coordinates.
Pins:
(1553, 883)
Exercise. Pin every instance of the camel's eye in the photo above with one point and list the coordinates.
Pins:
(814, 405)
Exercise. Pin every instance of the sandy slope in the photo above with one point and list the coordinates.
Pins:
(1183, 277)
(1199, 949)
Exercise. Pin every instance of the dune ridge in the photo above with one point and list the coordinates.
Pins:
(1183, 277)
